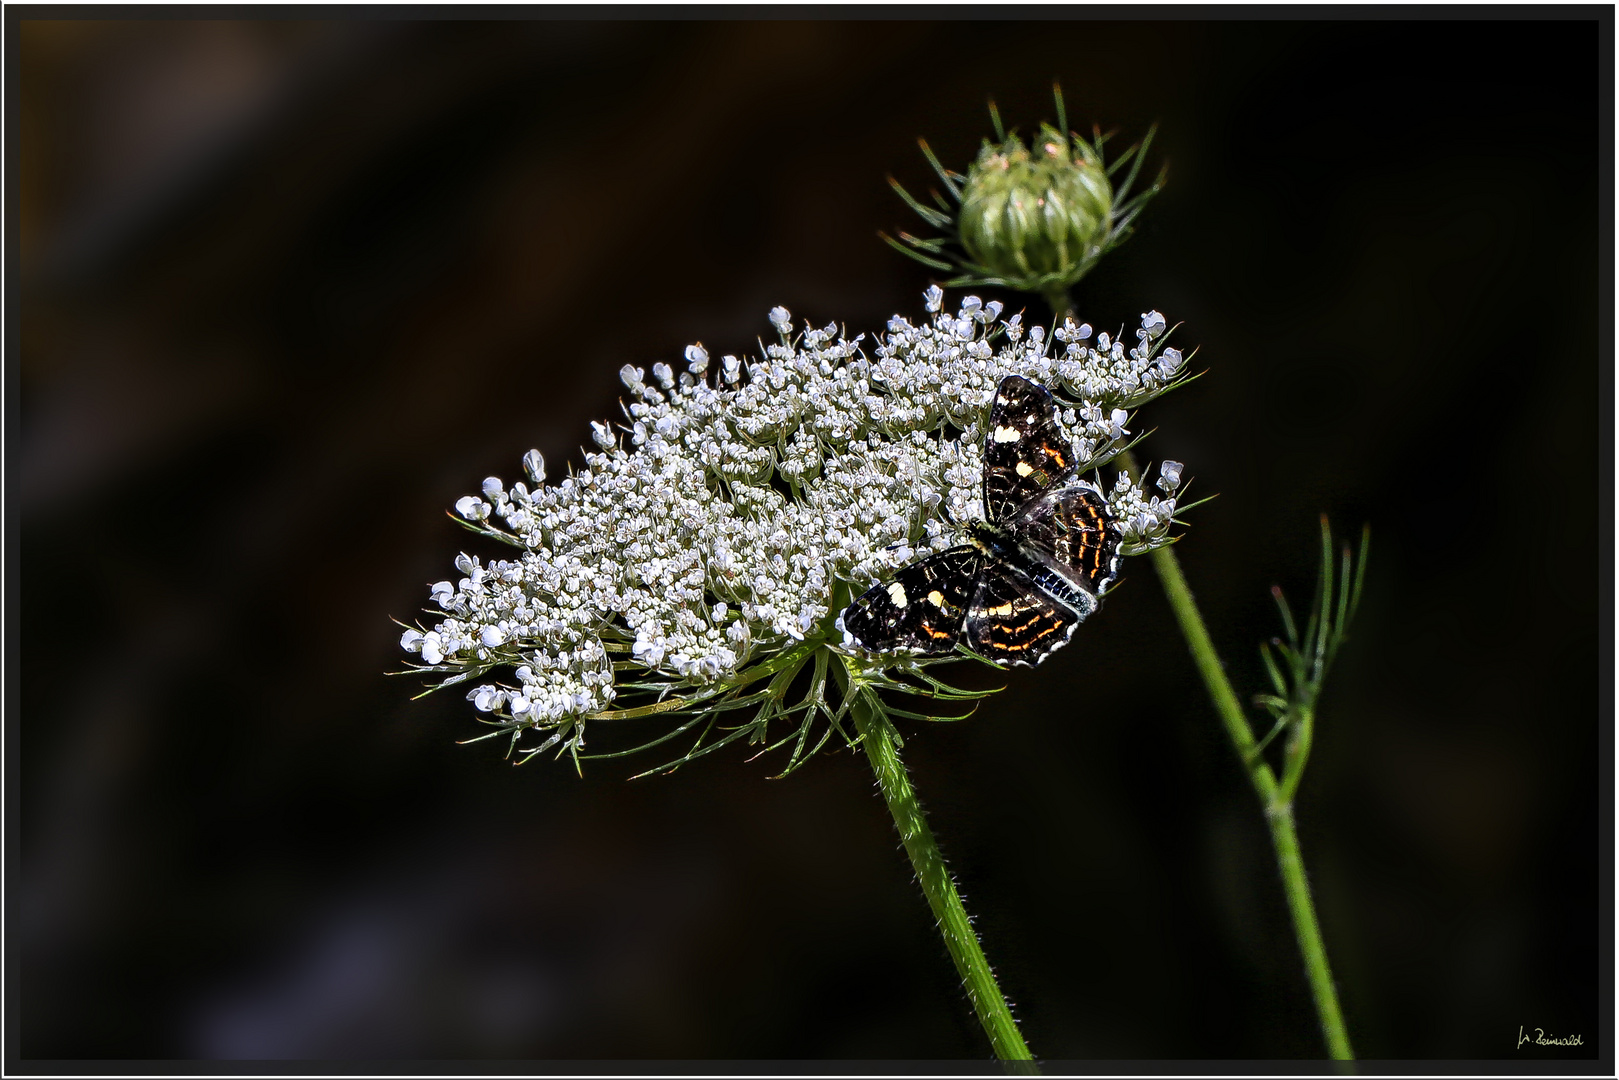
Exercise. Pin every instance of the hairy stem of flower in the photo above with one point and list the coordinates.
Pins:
(1276, 799)
(956, 928)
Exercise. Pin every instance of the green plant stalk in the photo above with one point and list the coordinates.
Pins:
(1276, 799)
(959, 938)
(1057, 297)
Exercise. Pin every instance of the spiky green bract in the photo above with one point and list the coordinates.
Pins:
(808, 688)
(1033, 217)
(1305, 659)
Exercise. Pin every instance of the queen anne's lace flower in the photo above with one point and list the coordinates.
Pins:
(736, 510)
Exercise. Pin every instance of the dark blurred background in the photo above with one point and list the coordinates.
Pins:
(289, 288)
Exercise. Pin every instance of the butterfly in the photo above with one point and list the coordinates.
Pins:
(1028, 576)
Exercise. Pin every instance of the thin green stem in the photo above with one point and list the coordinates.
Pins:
(1276, 799)
(1057, 297)
(1285, 838)
(959, 939)
(1209, 666)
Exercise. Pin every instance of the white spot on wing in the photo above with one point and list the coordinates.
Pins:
(1006, 434)
(896, 593)
(1024, 468)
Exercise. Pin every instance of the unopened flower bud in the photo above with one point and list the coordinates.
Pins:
(1033, 217)
(1036, 215)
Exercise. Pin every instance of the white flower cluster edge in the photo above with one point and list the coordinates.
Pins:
(713, 526)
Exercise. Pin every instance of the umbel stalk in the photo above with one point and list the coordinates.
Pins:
(985, 993)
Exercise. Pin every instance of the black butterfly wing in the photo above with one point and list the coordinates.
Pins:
(1025, 449)
(1070, 530)
(1066, 540)
(1014, 621)
(921, 608)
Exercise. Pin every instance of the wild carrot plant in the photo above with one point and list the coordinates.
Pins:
(730, 563)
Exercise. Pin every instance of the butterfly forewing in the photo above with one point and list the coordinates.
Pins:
(1012, 621)
(921, 608)
(1025, 449)
(1071, 528)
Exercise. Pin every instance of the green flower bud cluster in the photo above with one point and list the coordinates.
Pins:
(1034, 217)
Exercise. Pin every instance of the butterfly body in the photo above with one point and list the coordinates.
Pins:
(1027, 577)
(1001, 545)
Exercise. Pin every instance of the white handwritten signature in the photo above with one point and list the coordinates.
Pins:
(1540, 1038)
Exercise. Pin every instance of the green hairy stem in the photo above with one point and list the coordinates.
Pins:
(959, 938)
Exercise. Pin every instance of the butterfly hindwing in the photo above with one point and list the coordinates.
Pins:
(1011, 620)
(1070, 528)
(921, 608)
(1025, 449)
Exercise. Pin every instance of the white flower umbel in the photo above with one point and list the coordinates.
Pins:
(713, 538)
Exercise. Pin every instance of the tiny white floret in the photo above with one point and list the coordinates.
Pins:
(534, 465)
